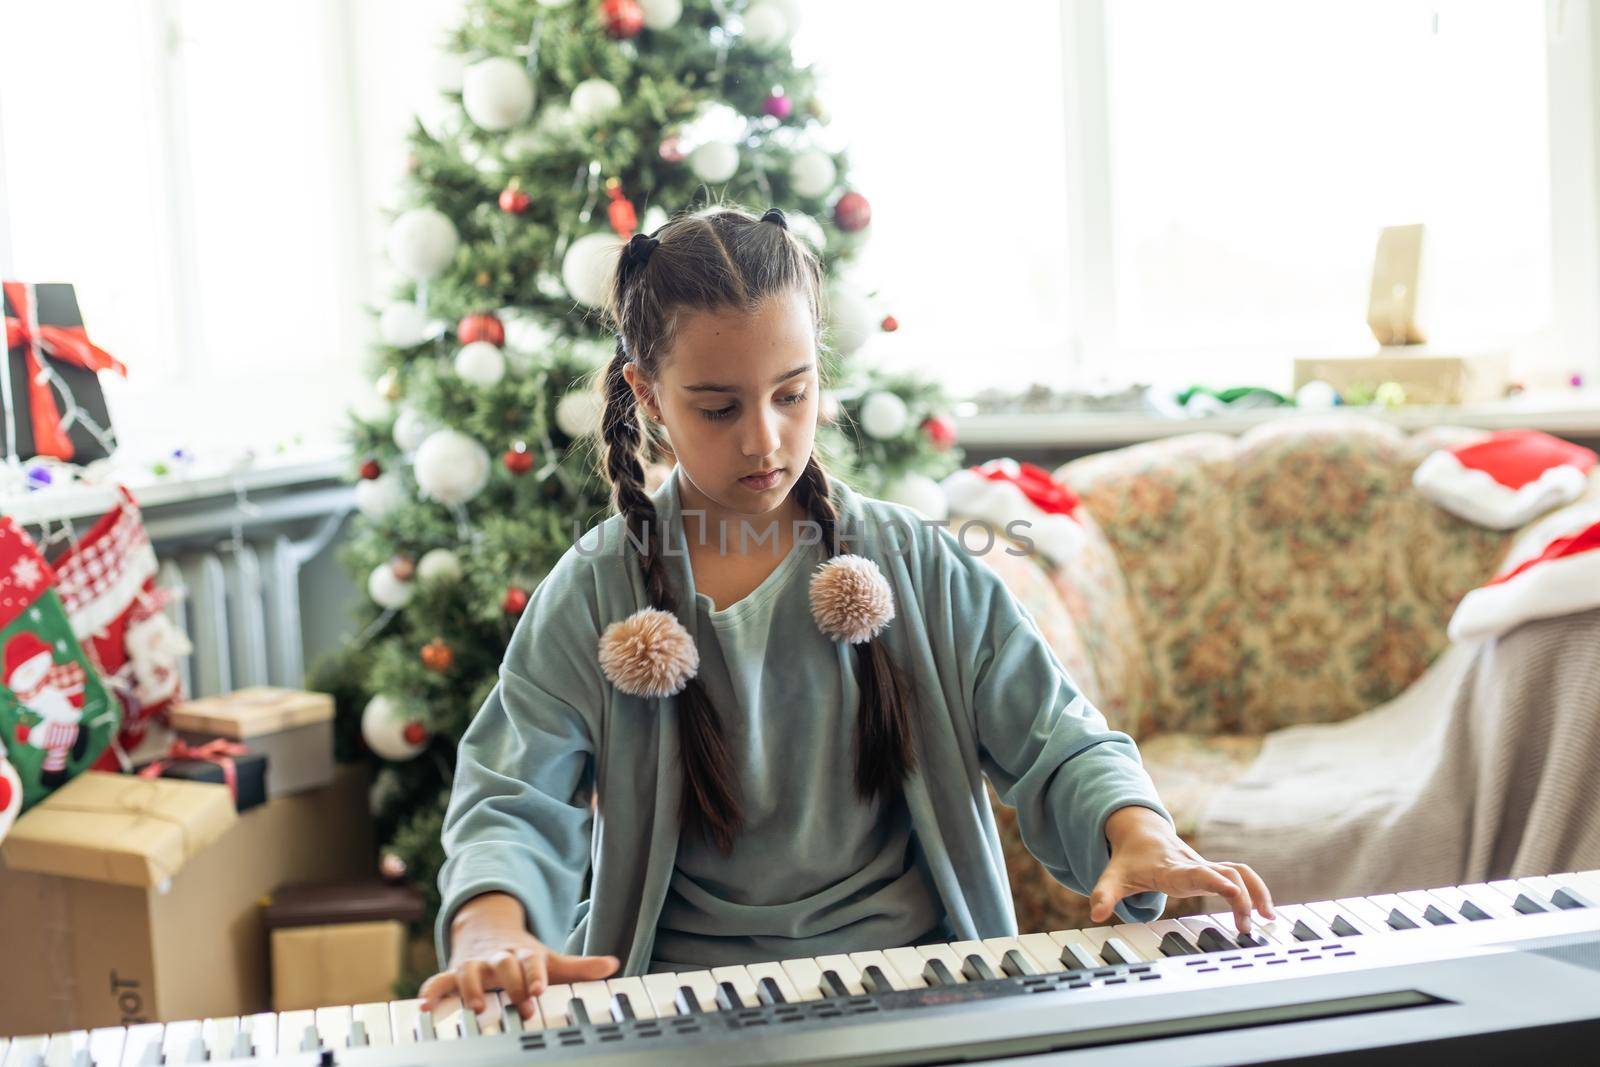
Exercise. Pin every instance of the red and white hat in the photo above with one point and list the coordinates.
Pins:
(1556, 573)
(1506, 479)
(1004, 491)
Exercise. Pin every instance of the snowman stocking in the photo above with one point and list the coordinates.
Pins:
(55, 717)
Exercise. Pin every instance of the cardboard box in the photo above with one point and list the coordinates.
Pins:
(291, 727)
(119, 828)
(1426, 378)
(83, 954)
(338, 942)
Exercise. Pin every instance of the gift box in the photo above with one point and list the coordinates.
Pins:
(341, 943)
(87, 954)
(1427, 377)
(292, 728)
(53, 404)
(220, 761)
(119, 828)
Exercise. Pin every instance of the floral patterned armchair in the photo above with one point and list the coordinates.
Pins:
(1229, 586)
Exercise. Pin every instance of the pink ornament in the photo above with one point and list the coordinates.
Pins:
(852, 213)
(1576, 381)
(671, 149)
(778, 106)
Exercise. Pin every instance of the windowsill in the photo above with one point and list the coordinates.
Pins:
(1566, 413)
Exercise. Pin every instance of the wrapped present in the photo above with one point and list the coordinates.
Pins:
(218, 760)
(339, 943)
(51, 386)
(291, 727)
(119, 828)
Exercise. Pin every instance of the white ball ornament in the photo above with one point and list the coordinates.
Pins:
(438, 566)
(850, 318)
(884, 415)
(655, 217)
(593, 99)
(480, 363)
(813, 173)
(714, 161)
(765, 24)
(807, 229)
(497, 93)
(1316, 394)
(661, 14)
(403, 325)
(588, 267)
(379, 497)
(451, 467)
(920, 492)
(578, 413)
(410, 430)
(422, 242)
(387, 732)
(387, 590)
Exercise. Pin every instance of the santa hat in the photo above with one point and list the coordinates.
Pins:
(24, 648)
(1556, 573)
(10, 796)
(1507, 478)
(1004, 491)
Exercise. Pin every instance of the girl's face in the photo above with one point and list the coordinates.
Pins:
(738, 397)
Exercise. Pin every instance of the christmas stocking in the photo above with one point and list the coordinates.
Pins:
(1020, 499)
(10, 796)
(55, 718)
(1555, 571)
(107, 584)
(1506, 479)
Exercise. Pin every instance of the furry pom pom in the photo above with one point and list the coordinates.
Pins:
(851, 599)
(648, 654)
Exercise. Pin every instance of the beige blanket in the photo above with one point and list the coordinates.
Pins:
(1487, 767)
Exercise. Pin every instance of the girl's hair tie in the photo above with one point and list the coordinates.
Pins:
(636, 253)
(775, 215)
(851, 599)
(649, 654)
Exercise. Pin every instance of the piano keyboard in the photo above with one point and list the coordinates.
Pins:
(918, 1004)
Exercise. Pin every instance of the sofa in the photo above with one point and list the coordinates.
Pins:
(1225, 587)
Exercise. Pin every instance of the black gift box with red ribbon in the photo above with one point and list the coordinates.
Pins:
(50, 389)
(245, 772)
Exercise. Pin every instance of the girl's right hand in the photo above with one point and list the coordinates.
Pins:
(492, 949)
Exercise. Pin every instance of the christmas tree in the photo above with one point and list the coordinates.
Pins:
(564, 128)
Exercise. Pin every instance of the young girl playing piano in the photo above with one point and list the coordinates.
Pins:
(783, 696)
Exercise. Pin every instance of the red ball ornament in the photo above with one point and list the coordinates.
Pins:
(515, 600)
(852, 213)
(890, 324)
(438, 656)
(624, 219)
(514, 200)
(482, 327)
(778, 106)
(941, 430)
(518, 459)
(623, 18)
(414, 732)
(370, 470)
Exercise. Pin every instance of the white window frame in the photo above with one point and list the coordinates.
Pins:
(1571, 45)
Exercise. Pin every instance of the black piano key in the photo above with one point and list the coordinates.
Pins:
(1110, 953)
(1175, 944)
(976, 969)
(728, 998)
(833, 985)
(1016, 964)
(1398, 920)
(1075, 957)
(1342, 927)
(622, 1008)
(358, 1034)
(1473, 913)
(578, 1012)
(425, 1030)
(1434, 914)
(1568, 898)
(1528, 905)
(1213, 940)
(873, 980)
(935, 973)
(1302, 932)
(1249, 940)
(688, 1003)
(769, 992)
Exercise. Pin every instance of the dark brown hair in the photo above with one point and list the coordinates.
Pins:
(719, 260)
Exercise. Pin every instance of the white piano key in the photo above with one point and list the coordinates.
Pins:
(375, 1018)
(292, 1030)
(1329, 910)
(805, 974)
(742, 984)
(1490, 901)
(333, 1026)
(1546, 887)
(864, 960)
(1293, 913)
(596, 1000)
(403, 1015)
(1141, 937)
(553, 1004)
(140, 1037)
(907, 963)
(218, 1034)
(964, 949)
(510, 1019)
(1272, 932)
(1453, 901)
(177, 1042)
(944, 954)
(451, 1020)
(1421, 900)
(663, 989)
(26, 1048)
(1044, 950)
(1162, 927)
(999, 946)
(1098, 936)
(1393, 902)
(5, 1043)
(1586, 883)
(1369, 909)
(263, 1030)
(65, 1046)
(1083, 943)
(105, 1046)
(1510, 889)
(703, 985)
(1199, 924)
(639, 998)
(774, 971)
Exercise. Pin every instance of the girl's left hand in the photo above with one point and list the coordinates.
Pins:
(1148, 857)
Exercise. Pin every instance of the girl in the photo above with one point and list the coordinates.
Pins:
(783, 696)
